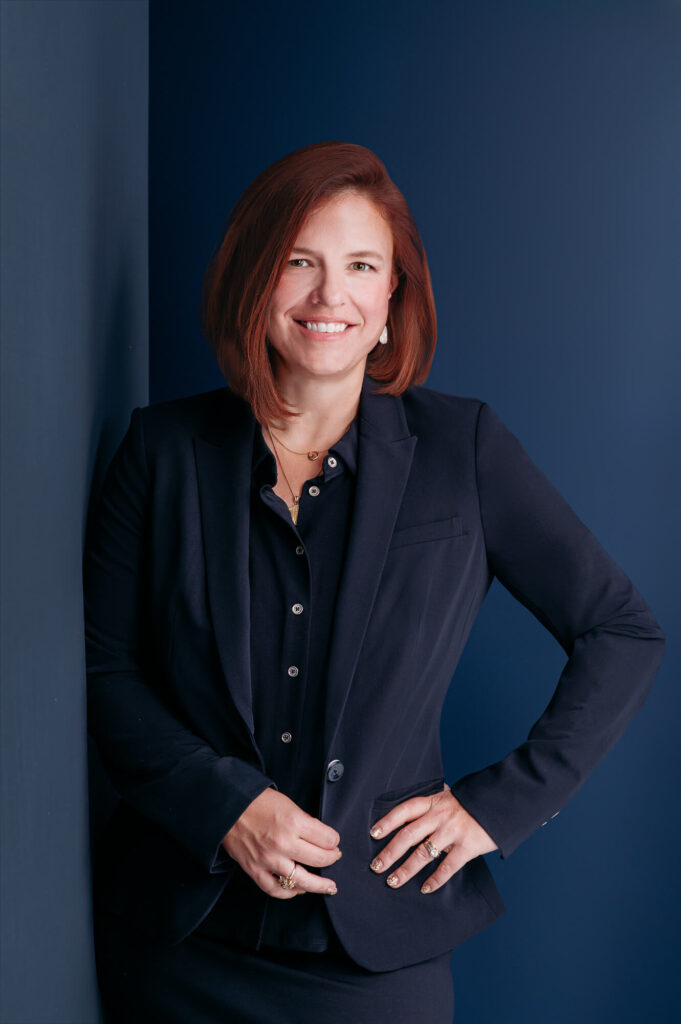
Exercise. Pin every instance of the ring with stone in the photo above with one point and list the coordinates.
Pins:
(432, 850)
(286, 881)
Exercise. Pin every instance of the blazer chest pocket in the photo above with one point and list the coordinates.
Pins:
(435, 529)
(395, 796)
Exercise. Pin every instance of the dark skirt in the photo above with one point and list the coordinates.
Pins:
(205, 980)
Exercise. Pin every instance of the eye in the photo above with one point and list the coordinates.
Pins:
(298, 259)
(358, 264)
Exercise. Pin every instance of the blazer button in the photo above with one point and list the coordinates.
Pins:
(334, 770)
(314, 490)
(332, 462)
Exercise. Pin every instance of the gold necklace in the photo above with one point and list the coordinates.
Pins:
(293, 509)
(312, 454)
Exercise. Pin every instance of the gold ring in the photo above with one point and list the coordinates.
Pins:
(286, 881)
(432, 850)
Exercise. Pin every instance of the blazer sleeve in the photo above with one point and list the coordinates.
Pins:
(158, 765)
(547, 558)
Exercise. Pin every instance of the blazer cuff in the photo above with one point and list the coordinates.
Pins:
(199, 801)
(222, 862)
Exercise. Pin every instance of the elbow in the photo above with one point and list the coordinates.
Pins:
(636, 620)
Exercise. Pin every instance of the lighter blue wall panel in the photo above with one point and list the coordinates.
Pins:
(74, 360)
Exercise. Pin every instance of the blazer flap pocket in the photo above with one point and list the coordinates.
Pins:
(435, 529)
(393, 796)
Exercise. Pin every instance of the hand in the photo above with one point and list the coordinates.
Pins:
(271, 835)
(439, 818)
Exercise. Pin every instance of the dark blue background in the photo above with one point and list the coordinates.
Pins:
(539, 148)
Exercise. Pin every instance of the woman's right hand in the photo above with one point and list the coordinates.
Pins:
(272, 834)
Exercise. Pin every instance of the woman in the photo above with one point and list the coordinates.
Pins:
(279, 582)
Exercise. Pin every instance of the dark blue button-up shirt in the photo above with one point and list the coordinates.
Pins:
(295, 572)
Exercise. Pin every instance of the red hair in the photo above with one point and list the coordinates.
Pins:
(261, 232)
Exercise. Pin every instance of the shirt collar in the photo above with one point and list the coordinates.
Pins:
(344, 449)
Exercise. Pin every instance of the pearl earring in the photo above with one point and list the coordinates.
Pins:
(383, 338)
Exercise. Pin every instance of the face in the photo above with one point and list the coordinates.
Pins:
(339, 272)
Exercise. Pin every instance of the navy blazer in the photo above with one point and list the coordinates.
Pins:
(446, 499)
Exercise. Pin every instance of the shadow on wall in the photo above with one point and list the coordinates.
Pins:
(116, 385)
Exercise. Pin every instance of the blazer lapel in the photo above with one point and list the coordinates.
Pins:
(223, 461)
(385, 453)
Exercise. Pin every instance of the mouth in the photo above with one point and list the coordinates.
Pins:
(325, 330)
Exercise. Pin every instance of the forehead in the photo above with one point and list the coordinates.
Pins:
(347, 216)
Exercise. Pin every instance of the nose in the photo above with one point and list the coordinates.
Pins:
(329, 289)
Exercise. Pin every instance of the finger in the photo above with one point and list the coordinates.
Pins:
(314, 856)
(415, 807)
(453, 862)
(316, 832)
(270, 878)
(270, 884)
(420, 858)
(306, 881)
(410, 835)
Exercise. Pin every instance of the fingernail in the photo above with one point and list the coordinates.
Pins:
(376, 832)
(339, 855)
(392, 880)
(376, 864)
(332, 892)
(425, 887)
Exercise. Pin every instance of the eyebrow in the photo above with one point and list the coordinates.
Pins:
(356, 255)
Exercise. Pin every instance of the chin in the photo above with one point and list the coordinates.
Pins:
(319, 363)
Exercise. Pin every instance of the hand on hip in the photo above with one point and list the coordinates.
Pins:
(434, 825)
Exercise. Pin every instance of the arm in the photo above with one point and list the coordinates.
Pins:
(548, 559)
(159, 766)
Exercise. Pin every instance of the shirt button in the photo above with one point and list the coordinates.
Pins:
(299, 549)
(313, 490)
(334, 770)
(286, 737)
(293, 670)
(332, 462)
(297, 609)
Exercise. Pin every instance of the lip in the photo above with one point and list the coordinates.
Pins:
(325, 335)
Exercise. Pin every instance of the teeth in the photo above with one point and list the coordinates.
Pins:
(324, 328)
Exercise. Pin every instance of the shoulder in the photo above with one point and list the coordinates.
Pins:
(427, 408)
(207, 414)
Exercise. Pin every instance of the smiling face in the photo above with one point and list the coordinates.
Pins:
(339, 273)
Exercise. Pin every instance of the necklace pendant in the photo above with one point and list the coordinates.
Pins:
(293, 509)
(312, 455)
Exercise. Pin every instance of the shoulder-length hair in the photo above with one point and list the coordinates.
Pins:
(261, 232)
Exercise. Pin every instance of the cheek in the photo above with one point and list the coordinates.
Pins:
(380, 295)
(284, 297)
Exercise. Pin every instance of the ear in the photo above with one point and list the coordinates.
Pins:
(393, 283)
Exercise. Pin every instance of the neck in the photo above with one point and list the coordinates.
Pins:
(326, 407)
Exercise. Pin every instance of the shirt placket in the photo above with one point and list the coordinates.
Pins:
(287, 743)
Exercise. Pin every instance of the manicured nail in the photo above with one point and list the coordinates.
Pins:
(376, 864)
(392, 880)
(377, 832)
(425, 887)
(332, 892)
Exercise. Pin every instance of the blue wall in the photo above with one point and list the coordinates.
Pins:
(539, 146)
(73, 275)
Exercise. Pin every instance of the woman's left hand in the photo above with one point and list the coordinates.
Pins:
(440, 819)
